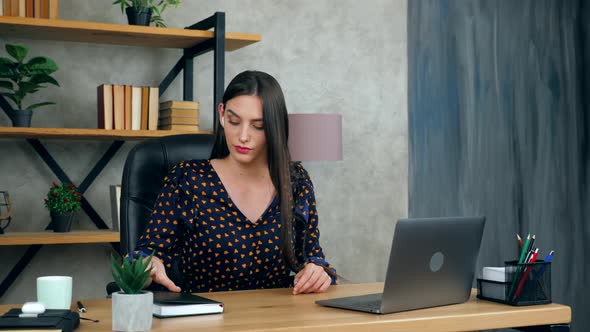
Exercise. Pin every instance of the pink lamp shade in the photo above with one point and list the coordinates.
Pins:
(315, 137)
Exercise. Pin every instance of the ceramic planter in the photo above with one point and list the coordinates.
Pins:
(62, 222)
(132, 312)
(138, 16)
(20, 118)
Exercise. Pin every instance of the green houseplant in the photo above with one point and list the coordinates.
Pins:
(132, 307)
(144, 12)
(19, 79)
(62, 201)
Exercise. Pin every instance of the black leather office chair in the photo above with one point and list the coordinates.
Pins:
(145, 168)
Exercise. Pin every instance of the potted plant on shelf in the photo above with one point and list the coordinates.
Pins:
(19, 79)
(144, 12)
(62, 201)
(132, 306)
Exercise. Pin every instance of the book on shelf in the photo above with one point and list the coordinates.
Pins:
(126, 107)
(178, 121)
(127, 122)
(180, 104)
(153, 108)
(119, 107)
(50, 9)
(145, 97)
(115, 193)
(44, 8)
(178, 112)
(7, 7)
(22, 8)
(135, 108)
(105, 106)
(37, 9)
(179, 127)
(30, 8)
(168, 304)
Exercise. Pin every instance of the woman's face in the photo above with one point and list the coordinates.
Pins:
(244, 129)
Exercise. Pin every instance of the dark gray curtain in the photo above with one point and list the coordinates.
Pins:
(498, 126)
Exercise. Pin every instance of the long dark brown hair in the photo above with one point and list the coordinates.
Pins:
(276, 131)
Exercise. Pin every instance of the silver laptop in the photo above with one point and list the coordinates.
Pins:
(432, 263)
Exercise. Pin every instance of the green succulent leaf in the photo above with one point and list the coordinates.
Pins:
(19, 52)
(132, 273)
(6, 85)
(116, 269)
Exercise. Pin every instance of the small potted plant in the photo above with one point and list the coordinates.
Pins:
(144, 12)
(19, 79)
(62, 201)
(132, 306)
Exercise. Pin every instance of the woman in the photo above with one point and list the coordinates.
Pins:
(247, 217)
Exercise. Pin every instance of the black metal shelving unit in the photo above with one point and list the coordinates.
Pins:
(185, 65)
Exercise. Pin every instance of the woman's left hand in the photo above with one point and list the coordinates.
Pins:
(312, 279)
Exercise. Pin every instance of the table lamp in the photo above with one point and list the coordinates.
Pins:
(315, 137)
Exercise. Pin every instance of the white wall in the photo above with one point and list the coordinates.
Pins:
(330, 56)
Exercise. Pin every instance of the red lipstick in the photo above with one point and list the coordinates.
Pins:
(242, 149)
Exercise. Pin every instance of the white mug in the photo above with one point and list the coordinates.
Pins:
(55, 292)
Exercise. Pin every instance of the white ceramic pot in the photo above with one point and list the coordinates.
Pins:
(132, 312)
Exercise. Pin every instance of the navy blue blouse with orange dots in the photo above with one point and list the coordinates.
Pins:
(216, 247)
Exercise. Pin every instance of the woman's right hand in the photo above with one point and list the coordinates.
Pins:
(159, 276)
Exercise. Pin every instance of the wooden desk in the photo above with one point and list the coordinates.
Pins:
(278, 310)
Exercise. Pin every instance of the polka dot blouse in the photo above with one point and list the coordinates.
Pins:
(195, 223)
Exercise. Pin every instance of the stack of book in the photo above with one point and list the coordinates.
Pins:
(179, 115)
(127, 107)
(30, 8)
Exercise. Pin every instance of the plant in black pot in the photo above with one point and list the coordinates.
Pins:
(144, 12)
(62, 201)
(19, 79)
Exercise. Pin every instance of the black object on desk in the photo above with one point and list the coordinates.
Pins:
(532, 281)
(64, 320)
(167, 304)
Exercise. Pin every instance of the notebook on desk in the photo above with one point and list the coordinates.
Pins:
(167, 304)
(50, 320)
(431, 263)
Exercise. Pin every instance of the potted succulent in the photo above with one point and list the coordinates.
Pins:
(144, 12)
(62, 201)
(132, 306)
(19, 79)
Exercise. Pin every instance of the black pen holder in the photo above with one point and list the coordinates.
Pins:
(526, 284)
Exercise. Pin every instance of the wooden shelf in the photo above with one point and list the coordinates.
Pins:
(118, 34)
(89, 134)
(50, 237)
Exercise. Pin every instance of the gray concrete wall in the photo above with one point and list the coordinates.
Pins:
(329, 56)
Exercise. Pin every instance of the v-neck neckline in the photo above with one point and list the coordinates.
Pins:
(235, 206)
